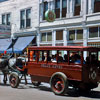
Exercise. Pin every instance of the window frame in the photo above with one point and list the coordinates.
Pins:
(25, 20)
(5, 21)
(46, 37)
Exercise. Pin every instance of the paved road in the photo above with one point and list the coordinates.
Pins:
(43, 92)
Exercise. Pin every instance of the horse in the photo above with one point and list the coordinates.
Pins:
(4, 69)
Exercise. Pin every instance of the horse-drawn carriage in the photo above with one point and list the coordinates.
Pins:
(81, 71)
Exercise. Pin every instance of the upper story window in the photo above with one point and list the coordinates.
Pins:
(60, 6)
(57, 8)
(77, 7)
(96, 6)
(45, 9)
(64, 8)
(25, 18)
(6, 19)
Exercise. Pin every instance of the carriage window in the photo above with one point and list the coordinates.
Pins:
(32, 55)
(43, 56)
(53, 55)
(62, 56)
(75, 57)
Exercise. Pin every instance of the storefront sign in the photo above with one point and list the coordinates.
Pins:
(50, 16)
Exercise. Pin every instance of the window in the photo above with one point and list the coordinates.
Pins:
(77, 7)
(6, 19)
(25, 18)
(45, 9)
(64, 8)
(3, 19)
(58, 8)
(79, 34)
(28, 17)
(49, 36)
(59, 35)
(96, 6)
(45, 37)
(93, 32)
(72, 35)
(42, 56)
(22, 19)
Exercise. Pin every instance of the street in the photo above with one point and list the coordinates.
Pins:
(43, 92)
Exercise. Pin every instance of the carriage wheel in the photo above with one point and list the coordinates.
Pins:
(36, 83)
(14, 80)
(59, 83)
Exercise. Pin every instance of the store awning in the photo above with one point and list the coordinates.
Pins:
(4, 44)
(21, 44)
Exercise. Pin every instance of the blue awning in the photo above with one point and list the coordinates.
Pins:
(4, 44)
(21, 44)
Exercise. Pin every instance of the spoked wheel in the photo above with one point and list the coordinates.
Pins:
(14, 80)
(59, 84)
(36, 83)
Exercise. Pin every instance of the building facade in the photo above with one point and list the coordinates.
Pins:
(21, 16)
(77, 21)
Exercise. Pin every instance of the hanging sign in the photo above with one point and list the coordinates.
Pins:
(50, 15)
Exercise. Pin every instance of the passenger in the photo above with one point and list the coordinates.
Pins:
(87, 60)
(34, 57)
(60, 58)
(65, 58)
(45, 56)
(72, 58)
(53, 58)
(77, 59)
(49, 58)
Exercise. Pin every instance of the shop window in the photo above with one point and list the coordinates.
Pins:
(57, 8)
(79, 34)
(93, 32)
(77, 7)
(72, 35)
(59, 35)
(64, 8)
(96, 6)
(45, 9)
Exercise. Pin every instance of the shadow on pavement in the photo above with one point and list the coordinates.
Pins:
(2, 84)
(76, 93)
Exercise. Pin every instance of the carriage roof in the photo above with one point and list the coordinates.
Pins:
(74, 48)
